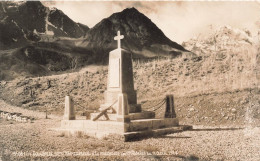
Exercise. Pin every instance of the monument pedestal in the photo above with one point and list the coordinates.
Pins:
(134, 130)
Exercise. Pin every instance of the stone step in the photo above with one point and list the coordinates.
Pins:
(136, 129)
(119, 127)
(133, 116)
(149, 124)
(137, 135)
(142, 115)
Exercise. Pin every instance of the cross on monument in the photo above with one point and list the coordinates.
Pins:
(118, 38)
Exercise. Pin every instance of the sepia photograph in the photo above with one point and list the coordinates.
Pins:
(129, 80)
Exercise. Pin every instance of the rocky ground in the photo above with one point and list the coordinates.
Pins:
(26, 141)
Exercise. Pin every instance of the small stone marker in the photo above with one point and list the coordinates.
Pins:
(170, 112)
(69, 113)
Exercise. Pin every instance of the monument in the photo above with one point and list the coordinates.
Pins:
(120, 79)
(120, 114)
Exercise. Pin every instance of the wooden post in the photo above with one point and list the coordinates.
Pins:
(46, 114)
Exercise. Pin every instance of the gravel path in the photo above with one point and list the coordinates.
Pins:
(23, 141)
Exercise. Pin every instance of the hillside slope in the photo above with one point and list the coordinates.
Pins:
(208, 89)
(42, 59)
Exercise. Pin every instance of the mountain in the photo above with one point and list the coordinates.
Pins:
(38, 41)
(141, 35)
(228, 54)
(23, 22)
(221, 40)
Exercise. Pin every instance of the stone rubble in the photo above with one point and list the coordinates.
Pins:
(16, 117)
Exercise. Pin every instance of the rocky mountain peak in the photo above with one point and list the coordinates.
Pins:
(223, 39)
(129, 12)
(31, 21)
(140, 32)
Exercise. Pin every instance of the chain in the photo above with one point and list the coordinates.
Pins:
(158, 105)
(79, 105)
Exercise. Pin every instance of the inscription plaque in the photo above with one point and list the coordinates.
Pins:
(114, 73)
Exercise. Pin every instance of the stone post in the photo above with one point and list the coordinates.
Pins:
(69, 113)
(122, 108)
(170, 112)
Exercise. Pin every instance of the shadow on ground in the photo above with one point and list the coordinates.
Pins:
(216, 129)
(175, 137)
(173, 157)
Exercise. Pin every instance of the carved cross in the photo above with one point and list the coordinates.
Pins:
(118, 38)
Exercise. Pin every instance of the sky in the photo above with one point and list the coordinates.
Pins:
(179, 20)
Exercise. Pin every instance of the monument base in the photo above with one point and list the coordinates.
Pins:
(134, 130)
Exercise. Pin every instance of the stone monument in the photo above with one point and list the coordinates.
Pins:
(120, 113)
(120, 77)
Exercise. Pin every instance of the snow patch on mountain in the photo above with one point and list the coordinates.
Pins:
(3, 8)
(24, 35)
(47, 23)
(26, 52)
(62, 24)
(4, 19)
